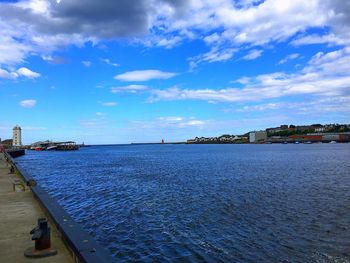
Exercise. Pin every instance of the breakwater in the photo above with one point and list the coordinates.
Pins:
(81, 245)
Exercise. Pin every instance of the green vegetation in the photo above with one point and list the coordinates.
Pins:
(289, 133)
(330, 128)
(339, 128)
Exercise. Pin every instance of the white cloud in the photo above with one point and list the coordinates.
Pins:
(86, 63)
(22, 72)
(310, 106)
(221, 24)
(242, 80)
(25, 72)
(236, 25)
(330, 39)
(48, 58)
(288, 58)
(214, 55)
(4, 74)
(327, 74)
(100, 114)
(169, 42)
(109, 104)
(129, 89)
(253, 54)
(108, 62)
(144, 75)
(98, 122)
(16, 44)
(171, 122)
(92, 124)
(261, 107)
(171, 131)
(11, 51)
(28, 103)
(54, 59)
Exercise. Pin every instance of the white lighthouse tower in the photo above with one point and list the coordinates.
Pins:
(17, 136)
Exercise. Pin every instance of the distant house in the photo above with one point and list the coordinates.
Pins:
(226, 138)
(277, 129)
(257, 136)
(303, 128)
(7, 143)
(320, 129)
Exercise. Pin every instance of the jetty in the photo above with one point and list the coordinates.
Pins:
(24, 204)
(19, 214)
(54, 146)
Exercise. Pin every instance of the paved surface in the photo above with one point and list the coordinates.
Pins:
(19, 212)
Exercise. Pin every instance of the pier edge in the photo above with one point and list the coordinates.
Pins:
(82, 246)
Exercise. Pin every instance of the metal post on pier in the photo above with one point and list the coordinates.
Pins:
(42, 236)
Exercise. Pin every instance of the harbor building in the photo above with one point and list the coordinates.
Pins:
(257, 136)
(17, 136)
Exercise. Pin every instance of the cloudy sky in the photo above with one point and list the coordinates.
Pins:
(103, 71)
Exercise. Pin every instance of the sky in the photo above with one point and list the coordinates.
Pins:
(101, 71)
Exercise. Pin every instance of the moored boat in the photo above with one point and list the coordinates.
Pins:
(51, 148)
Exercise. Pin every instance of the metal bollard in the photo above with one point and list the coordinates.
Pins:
(42, 237)
(31, 182)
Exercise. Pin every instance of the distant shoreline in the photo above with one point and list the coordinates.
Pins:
(170, 143)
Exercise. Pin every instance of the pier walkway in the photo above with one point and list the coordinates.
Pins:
(19, 212)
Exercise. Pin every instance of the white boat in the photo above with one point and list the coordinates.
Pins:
(332, 142)
(51, 148)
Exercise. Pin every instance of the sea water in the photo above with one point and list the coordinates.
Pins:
(214, 203)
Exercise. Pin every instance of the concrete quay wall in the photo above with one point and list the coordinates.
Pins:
(20, 211)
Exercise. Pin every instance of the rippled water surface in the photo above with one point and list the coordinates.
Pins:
(215, 203)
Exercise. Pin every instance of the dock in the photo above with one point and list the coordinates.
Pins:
(22, 203)
(54, 146)
(19, 214)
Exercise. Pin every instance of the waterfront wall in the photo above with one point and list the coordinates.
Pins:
(16, 153)
(82, 246)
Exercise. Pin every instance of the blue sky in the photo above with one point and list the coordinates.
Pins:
(142, 71)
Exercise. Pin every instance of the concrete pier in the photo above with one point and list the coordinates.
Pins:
(19, 211)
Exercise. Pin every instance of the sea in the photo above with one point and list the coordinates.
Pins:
(205, 203)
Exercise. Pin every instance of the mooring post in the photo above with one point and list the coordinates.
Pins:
(41, 235)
